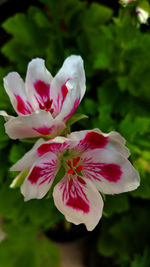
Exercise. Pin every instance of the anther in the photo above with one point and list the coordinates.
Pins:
(70, 171)
(74, 162)
(79, 168)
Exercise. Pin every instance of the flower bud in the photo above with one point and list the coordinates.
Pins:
(142, 15)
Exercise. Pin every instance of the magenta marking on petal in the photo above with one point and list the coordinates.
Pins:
(43, 96)
(40, 175)
(95, 170)
(53, 147)
(74, 196)
(81, 180)
(76, 103)
(94, 140)
(44, 130)
(111, 172)
(35, 175)
(57, 105)
(91, 169)
(64, 92)
(42, 90)
(78, 204)
(23, 107)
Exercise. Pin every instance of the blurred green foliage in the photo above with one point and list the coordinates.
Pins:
(116, 55)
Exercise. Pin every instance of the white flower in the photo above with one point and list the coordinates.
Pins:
(44, 103)
(142, 15)
(91, 162)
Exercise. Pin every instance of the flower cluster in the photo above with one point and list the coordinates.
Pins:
(77, 165)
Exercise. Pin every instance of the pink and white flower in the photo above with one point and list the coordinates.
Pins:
(143, 14)
(44, 103)
(92, 161)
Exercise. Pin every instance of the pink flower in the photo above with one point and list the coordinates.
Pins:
(92, 162)
(44, 103)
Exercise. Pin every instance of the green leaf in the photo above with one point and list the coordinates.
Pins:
(27, 245)
(17, 150)
(75, 118)
(59, 176)
(119, 234)
(142, 260)
(98, 15)
(116, 204)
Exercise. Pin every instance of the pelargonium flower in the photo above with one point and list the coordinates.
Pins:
(142, 14)
(91, 161)
(44, 103)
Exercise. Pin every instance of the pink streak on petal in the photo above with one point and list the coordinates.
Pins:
(44, 130)
(74, 196)
(53, 147)
(42, 89)
(76, 103)
(95, 140)
(35, 175)
(40, 175)
(81, 180)
(95, 170)
(57, 106)
(23, 107)
(64, 92)
(78, 204)
(111, 172)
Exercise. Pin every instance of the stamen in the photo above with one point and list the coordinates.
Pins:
(79, 168)
(78, 158)
(70, 171)
(74, 162)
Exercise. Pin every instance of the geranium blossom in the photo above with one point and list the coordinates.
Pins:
(44, 103)
(142, 14)
(92, 162)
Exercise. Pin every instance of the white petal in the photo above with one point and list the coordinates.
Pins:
(5, 115)
(26, 162)
(117, 142)
(37, 72)
(80, 202)
(142, 15)
(92, 139)
(34, 125)
(70, 77)
(41, 177)
(110, 171)
(56, 145)
(15, 89)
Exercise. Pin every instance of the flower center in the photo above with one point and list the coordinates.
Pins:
(74, 167)
(47, 105)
